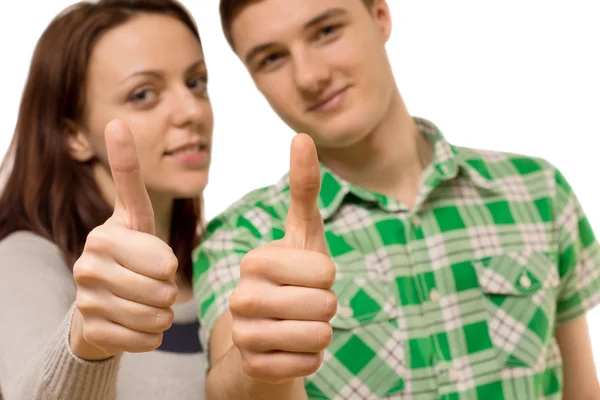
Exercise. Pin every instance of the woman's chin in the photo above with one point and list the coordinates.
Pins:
(189, 190)
(189, 193)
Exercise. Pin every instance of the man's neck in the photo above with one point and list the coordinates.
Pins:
(390, 160)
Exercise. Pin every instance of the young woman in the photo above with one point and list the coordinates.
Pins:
(80, 318)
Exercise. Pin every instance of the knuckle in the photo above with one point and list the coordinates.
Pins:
(94, 334)
(152, 341)
(84, 271)
(170, 264)
(167, 294)
(143, 342)
(252, 263)
(247, 365)
(312, 364)
(86, 303)
(242, 338)
(327, 272)
(244, 302)
(163, 319)
(98, 240)
(324, 335)
(331, 305)
(254, 366)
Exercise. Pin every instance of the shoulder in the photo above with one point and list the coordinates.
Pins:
(32, 269)
(25, 252)
(504, 161)
(258, 211)
(514, 172)
(25, 243)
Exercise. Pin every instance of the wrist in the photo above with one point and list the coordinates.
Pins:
(252, 384)
(289, 389)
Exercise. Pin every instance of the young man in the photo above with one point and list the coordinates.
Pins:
(420, 270)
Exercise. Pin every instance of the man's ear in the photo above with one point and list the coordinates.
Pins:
(380, 11)
(78, 143)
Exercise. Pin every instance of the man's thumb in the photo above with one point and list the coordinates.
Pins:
(304, 225)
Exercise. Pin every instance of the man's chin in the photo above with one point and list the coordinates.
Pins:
(340, 138)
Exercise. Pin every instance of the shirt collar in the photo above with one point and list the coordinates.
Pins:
(448, 162)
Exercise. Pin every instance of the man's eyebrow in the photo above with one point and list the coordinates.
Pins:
(330, 13)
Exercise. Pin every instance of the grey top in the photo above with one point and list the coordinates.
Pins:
(37, 295)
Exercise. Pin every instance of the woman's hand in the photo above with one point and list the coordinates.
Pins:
(125, 275)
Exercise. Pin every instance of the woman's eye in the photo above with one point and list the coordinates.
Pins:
(198, 84)
(141, 96)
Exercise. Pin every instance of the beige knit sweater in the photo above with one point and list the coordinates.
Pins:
(37, 292)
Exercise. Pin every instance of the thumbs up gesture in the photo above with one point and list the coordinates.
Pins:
(283, 303)
(125, 274)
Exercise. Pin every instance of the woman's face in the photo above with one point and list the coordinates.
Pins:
(150, 73)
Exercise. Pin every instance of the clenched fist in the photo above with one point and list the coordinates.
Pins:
(283, 303)
(124, 277)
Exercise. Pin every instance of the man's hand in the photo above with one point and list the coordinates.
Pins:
(283, 303)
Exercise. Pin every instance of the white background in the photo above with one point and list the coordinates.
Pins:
(521, 76)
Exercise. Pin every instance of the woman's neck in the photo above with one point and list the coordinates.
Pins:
(163, 212)
(161, 205)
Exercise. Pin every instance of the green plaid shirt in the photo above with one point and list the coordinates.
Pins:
(455, 299)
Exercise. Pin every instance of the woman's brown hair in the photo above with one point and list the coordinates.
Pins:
(46, 191)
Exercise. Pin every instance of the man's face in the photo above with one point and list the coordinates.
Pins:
(321, 64)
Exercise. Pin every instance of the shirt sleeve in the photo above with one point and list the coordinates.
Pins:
(217, 263)
(578, 255)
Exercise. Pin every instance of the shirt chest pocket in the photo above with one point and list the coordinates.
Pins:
(366, 351)
(519, 298)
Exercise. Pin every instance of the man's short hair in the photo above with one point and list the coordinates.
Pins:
(229, 9)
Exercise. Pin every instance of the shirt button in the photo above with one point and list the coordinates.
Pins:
(525, 282)
(416, 221)
(434, 295)
(346, 312)
(453, 375)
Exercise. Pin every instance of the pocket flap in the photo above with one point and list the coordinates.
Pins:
(519, 273)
